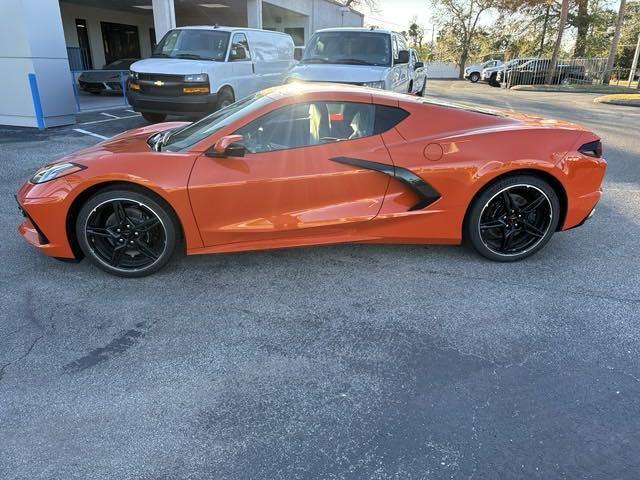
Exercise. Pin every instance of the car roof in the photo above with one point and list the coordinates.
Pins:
(223, 28)
(356, 29)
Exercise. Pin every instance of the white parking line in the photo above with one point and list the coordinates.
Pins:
(108, 115)
(79, 130)
(132, 111)
(108, 120)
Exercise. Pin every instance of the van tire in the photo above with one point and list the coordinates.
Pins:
(153, 117)
(225, 98)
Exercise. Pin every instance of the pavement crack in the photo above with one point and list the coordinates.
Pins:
(20, 358)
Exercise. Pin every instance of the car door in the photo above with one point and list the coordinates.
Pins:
(399, 72)
(241, 65)
(295, 178)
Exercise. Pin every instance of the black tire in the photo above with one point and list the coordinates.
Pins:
(507, 229)
(154, 117)
(127, 232)
(493, 80)
(474, 77)
(424, 88)
(225, 98)
(93, 92)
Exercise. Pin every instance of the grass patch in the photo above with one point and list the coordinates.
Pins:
(627, 99)
(575, 88)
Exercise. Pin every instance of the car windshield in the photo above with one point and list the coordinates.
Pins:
(193, 133)
(193, 44)
(353, 48)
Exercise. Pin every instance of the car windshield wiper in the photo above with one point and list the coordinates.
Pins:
(354, 61)
(191, 56)
(314, 60)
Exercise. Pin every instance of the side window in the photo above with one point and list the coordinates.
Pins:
(394, 46)
(388, 117)
(305, 124)
(239, 48)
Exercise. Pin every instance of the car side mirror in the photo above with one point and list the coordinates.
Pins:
(229, 146)
(403, 56)
(238, 53)
(418, 65)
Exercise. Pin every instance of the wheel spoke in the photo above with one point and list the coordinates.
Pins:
(116, 256)
(144, 249)
(147, 224)
(507, 239)
(121, 215)
(99, 232)
(533, 230)
(534, 205)
(492, 224)
(506, 199)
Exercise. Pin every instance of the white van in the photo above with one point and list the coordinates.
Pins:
(361, 56)
(197, 70)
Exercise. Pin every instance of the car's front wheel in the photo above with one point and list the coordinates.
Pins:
(474, 77)
(513, 219)
(126, 232)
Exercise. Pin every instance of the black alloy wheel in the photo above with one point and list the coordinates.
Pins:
(126, 233)
(513, 219)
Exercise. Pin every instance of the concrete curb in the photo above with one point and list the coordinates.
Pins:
(568, 89)
(626, 100)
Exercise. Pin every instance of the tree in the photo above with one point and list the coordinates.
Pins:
(564, 12)
(371, 4)
(606, 76)
(581, 21)
(463, 18)
(415, 33)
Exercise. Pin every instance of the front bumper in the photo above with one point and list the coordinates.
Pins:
(180, 105)
(44, 223)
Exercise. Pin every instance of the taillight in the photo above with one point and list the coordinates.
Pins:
(592, 149)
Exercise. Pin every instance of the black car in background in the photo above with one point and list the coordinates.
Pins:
(534, 72)
(104, 80)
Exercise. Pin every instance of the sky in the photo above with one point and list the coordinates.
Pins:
(397, 14)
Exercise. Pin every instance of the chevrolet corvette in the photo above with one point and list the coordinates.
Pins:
(312, 164)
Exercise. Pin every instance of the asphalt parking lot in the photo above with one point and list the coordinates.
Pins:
(338, 362)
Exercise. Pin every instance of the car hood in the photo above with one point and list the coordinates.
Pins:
(171, 66)
(131, 141)
(323, 72)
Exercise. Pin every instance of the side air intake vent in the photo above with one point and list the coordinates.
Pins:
(592, 149)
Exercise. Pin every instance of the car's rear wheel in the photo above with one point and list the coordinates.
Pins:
(153, 117)
(493, 80)
(126, 233)
(474, 77)
(513, 219)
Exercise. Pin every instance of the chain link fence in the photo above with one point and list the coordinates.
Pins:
(574, 71)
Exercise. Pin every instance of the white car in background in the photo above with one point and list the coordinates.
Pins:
(473, 72)
(370, 57)
(195, 71)
(418, 72)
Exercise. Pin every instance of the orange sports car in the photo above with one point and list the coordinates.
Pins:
(310, 164)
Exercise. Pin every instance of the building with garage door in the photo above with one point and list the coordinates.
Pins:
(41, 41)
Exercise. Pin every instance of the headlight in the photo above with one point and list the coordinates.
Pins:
(379, 84)
(57, 170)
(133, 75)
(197, 77)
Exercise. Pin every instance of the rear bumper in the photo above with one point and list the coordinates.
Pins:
(181, 105)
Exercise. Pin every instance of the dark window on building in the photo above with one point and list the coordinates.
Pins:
(297, 34)
(120, 41)
(152, 38)
(84, 49)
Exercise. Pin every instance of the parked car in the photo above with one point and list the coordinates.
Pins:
(491, 74)
(418, 72)
(197, 70)
(313, 164)
(104, 80)
(534, 72)
(474, 72)
(369, 57)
